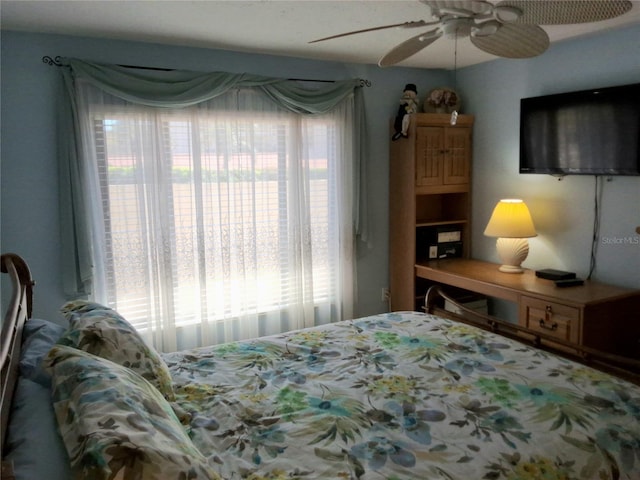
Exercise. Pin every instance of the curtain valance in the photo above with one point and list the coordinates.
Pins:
(177, 89)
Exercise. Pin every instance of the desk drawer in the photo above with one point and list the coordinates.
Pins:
(551, 318)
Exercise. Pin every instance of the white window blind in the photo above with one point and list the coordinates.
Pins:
(220, 223)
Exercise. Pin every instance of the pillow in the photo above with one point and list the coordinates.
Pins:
(38, 336)
(33, 443)
(102, 331)
(115, 424)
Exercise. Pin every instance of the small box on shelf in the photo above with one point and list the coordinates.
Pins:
(446, 250)
(440, 241)
(449, 234)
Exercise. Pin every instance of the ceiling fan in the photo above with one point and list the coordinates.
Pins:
(509, 29)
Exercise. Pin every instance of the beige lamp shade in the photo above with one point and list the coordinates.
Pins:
(511, 222)
(510, 219)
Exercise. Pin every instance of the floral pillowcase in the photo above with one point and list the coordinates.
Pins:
(102, 331)
(115, 424)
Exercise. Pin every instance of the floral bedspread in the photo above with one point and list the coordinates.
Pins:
(404, 396)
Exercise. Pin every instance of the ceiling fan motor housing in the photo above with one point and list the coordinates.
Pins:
(460, 27)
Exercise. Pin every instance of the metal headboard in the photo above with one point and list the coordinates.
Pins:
(17, 313)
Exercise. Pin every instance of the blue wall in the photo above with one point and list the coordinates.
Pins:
(562, 210)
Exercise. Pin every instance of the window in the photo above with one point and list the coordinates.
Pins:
(215, 222)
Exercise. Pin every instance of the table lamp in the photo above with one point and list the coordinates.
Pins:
(511, 223)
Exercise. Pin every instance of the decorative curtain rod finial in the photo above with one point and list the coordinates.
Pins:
(52, 61)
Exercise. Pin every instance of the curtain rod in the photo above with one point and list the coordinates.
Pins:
(56, 61)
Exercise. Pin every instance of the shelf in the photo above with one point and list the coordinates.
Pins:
(437, 223)
(429, 193)
(441, 189)
(441, 208)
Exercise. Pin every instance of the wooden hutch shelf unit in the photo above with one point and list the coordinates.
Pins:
(594, 315)
(429, 194)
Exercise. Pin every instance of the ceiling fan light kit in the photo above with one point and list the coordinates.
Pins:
(508, 29)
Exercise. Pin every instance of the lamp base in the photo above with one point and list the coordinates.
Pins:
(512, 252)
(510, 269)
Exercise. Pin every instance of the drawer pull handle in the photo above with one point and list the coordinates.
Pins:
(553, 326)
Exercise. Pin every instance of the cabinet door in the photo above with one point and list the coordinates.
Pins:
(430, 150)
(442, 155)
(457, 155)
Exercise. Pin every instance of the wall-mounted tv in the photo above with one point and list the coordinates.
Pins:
(590, 132)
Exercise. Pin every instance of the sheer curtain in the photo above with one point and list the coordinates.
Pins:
(227, 219)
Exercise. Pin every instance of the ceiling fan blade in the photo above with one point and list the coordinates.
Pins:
(514, 41)
(565, 12)
(409, 47)
(419, 23)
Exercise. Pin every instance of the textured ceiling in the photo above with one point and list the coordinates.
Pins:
(267, 26)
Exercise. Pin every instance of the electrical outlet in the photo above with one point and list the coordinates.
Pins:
(385, 294)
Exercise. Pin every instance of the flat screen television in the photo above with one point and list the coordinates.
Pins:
(590, 132)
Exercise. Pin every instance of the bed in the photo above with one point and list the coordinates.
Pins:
(402, 395)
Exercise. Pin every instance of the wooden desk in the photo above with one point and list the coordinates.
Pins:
(596, 315)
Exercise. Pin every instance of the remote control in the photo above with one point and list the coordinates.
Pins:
(569, 282)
